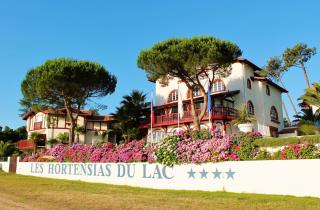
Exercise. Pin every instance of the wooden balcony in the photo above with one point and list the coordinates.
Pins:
(218, 113)
(37, 126)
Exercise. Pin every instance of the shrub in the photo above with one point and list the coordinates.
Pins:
(296, 151)
(166, 151)
(244, 146)
(277, 142)
(308, 129)
(202, 134)
(263, 155)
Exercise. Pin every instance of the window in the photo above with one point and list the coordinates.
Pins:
(248, 84)
(218, 86)
(274, 114)
(268, 90)
(250, 107)
(196, 92)
(173, 96)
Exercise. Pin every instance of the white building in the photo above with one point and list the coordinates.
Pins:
(242, 86)
(50, 123)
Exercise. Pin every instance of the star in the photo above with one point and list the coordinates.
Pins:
(191, 173)
(216, 174)
(230, 174)
(203, 173)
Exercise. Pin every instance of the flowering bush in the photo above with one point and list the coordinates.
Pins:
(199, 151)
(133, 151)
(175, 149)
(166, 151)
(297, 151)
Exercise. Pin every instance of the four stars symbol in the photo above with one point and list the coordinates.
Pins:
(216, 174)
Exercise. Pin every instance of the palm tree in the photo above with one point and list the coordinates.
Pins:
(312, 95)
(243, 116)
(6, 149)
(79, 130)
(130, 113)
(274, 70)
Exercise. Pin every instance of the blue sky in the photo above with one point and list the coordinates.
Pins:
(113, 33)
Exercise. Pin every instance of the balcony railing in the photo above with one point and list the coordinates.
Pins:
(37, 125)
(25, 144)
(218, 113)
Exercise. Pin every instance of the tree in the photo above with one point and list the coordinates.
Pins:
(130, 114)
(8, 134)
(6, 149)
(312, 95)
(192, 60)
(66, 83)
(297, 56)
(274, 70)
(79, 130)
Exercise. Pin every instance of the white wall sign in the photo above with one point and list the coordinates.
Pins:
(285, 177)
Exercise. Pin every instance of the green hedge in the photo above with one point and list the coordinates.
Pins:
(278, 142)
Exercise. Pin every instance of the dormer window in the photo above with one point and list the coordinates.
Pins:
(173, 96)
(218, 86)
(268, 90)
(248, 84)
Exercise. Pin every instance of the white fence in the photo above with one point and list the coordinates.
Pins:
(284, 177)
(4, 165)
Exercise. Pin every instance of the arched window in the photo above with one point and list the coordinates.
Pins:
(250, 107)
(248, 84)
(173, 96)
(274, 114)
(268, 90)
(218, 86)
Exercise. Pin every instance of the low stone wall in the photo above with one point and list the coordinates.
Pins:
(284, 177)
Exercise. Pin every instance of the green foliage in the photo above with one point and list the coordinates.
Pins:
(130, 114)
(52, 142)
(273, 69)
(8, 134)
(191, 60)
(310, 152)
(297, 55)
(312, 95)
(66, 83)
(6, 149)
(166, 151)
(247, 149)
(202, 134)
(277, 142)
(35, 136)
(63, 137)
(243, 116)
(308, 129)
(263, 155)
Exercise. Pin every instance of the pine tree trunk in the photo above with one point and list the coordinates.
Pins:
(194, 114)
(286, 112)
(205, 104)
(289, 97)
(305, 74)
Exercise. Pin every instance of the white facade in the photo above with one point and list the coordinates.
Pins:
(50, 125)
(238, 92)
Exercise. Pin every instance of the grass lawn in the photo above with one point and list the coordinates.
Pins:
(26, 192)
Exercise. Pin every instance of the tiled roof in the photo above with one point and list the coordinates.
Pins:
(86, 113)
